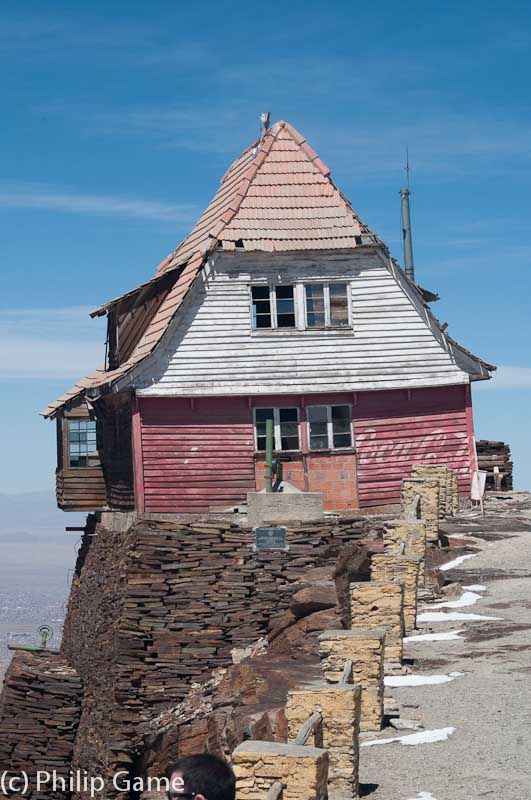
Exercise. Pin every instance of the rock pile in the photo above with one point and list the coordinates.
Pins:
(39, 715)
(495, 454)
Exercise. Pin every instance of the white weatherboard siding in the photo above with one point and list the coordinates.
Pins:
(210, 348)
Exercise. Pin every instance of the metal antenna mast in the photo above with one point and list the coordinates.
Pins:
(407, 238)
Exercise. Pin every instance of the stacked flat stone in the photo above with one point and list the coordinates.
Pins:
(448, 487)
(379, 604)
(159, 606)
(406, 537)
(366, 651)
(302, 771)
(39, 715)
(405, 569)
(428, 491)
(340, 706)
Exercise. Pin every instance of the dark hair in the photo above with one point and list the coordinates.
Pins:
(206, 774)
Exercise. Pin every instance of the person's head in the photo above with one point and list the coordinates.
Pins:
(201, 777)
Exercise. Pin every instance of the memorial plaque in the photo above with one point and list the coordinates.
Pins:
(270, 538)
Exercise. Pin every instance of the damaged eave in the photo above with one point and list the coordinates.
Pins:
(140, 292)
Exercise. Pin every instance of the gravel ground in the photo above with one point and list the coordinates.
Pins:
(489, 755)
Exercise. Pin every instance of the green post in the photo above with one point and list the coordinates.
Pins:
(269, 456)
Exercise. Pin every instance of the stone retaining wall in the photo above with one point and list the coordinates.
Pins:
(39, 715)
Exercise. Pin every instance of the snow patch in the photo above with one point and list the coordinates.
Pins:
(448, 636)
(456, 562)
(476, 587)
(419, 680)
(424, 796)
(466, 599)
(451, 616)
(423, 737)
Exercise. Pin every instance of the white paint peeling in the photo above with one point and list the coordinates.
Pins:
(423, 737)
(456, 562)
(420, 680)
(451, 616)
(448, 636)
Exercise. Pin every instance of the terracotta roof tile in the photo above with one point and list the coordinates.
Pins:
(277, 196)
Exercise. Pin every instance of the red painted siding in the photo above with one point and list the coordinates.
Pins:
(196, 454)
(397, 429)
(192, 455)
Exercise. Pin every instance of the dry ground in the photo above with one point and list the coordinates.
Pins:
(489, 755)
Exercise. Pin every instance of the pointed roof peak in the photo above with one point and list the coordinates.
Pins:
(276, 196)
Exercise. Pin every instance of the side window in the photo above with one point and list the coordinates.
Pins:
(82, 444)
(273, 307)
(285, 306)
(330, 427)
(315, 305)
(285, 426)
(338, 293)
(327, 305)
(261, 307)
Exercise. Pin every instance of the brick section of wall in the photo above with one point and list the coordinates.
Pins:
(331, 473)
(400, 568)
(163, 604)
(340, 706)
(366, 651)
(39, 715)
(429, 504)
(380, 604)
(303, 771)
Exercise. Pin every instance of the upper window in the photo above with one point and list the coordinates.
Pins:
(273, 307)
(82, 445)
(330, 427)
(285, 427)
(326, 305)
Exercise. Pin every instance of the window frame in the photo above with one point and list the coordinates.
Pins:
(95, 454)
(327, 308)
(329, 427)
(300, 308)
(273, 306)
(277, 438)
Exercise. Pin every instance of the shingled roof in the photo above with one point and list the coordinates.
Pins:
(277, 196)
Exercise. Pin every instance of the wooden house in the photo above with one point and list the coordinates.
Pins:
(280, 303)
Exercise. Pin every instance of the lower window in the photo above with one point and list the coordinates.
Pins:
(330, 427)
(285, 428)
(82, 444)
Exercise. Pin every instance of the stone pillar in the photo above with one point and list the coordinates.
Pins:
(303, 771)
(380, 604)
(429, 504)
(386, 567)
(455, 493)
(340, 706)
(408, 538)
(366, 651)
(445, 478)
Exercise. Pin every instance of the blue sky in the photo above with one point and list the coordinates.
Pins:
(119, 119)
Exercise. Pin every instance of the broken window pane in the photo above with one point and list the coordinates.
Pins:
(318, 425)
(338, 304)
(261, 307)
(289, 428)
(285, 307)
(341, 426)
(261, 415)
